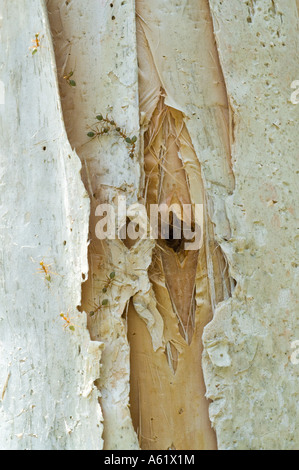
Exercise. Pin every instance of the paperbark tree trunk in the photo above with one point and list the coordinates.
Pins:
(121, 344)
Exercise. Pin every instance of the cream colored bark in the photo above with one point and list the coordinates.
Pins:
(248, 371)
(47, 373)
(214, 126)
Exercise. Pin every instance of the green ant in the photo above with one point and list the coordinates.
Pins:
(36, 44)
(68, 321)
(68, 79)
(44, 269)
(109, 282)
(106, 128)
(97, 308)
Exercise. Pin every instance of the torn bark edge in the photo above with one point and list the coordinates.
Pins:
(92, 350)
(92, 361)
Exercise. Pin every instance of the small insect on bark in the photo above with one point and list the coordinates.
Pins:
(98, 307)
(68, 321)
(45, 270)
(36, 44)
(109, 282)
(107, 125)
(69, 80)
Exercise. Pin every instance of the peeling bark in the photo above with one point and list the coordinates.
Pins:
(247, 369)
(187, 285)
(47, 373)
(142, 344)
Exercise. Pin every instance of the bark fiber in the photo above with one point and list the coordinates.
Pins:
(190, 350)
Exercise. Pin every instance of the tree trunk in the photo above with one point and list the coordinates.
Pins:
(144, 344)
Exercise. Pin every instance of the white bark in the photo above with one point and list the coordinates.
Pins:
(48, 399)
(248, 371)
(236, 133)
(108, 86)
